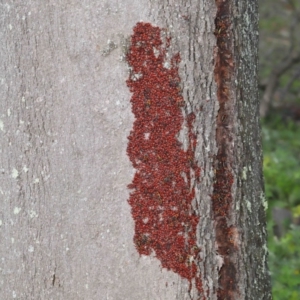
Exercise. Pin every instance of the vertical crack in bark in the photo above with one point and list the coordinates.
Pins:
(222, 198)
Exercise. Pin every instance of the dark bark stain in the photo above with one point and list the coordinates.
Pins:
(53, 280)
(222, 200)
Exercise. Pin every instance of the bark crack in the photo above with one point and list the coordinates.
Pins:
(222, 198)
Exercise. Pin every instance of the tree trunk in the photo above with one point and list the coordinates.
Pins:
(78, 78)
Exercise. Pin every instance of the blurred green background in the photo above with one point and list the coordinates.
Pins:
(279, 84)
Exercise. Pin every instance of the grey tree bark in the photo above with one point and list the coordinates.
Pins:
(66, 228)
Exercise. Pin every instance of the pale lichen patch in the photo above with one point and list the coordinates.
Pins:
(264, 201)
(14, 173)
(245, 170)
(17, 210)
(32, 214)
(111, 45)
(249, 205)
(124, 44)
(0, 222)
(1, 125)
(220, 261)
(36, 180)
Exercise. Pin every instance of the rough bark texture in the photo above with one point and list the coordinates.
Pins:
(66, 228)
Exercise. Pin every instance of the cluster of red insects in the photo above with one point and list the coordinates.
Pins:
(163, 185)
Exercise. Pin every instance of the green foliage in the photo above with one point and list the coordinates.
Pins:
(273, 23)
(281, 142)
(282, 163)
(279, 23)
(282, 184)
(284, 262)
